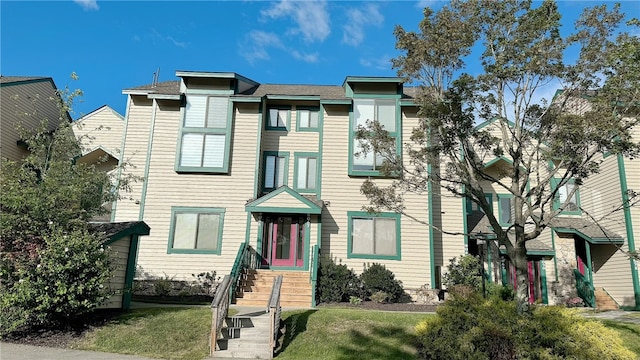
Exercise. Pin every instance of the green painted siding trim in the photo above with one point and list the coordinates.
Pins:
(597, 241)
(195, 210)
(622, 172)
(243, 99)
(190, 91)
(377, 96)
(259, 238)
(307, 206)
(432, 254)
(407, 102)
(310, 109)
(588, 248)
(465, 213)
(140, 228)
(363, 214)
(489, 264)
(120, 164)
(320, 148)
(555, 260)
(282, 210)
(397, 134)
(335, 102)
(287, 125)
(294, 97)
(491, 121)
(31, 81)
(227, 145)
(307, 243)
(296, 156)
(373, 79)
(147, 165)
(264, 168)
(247, 231)
(544, 253)
(130, 272)
(256, 174)
(543, 280)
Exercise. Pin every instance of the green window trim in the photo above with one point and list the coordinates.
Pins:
(556, 200)
(365, 215)
(310, 109)
(317, 177)
(472, 206)
(352, 136)
(285, 178)
(287, 121)
(175, 210)
(509, 197)
(205, 132)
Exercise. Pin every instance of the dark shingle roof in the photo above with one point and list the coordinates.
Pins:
(15, 79)
(165, 87)
(114, 230)
(478, 222)
(588, 228)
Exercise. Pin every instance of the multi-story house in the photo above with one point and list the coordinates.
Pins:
(229, 163)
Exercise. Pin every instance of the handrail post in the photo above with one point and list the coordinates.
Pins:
(219, 312)
(274, 309)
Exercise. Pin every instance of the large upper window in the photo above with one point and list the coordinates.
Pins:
(195, 230)
(278, 118)
(275, 170)
(307, 119)
(384, 111)
(306, 172)
(204, 135)
(564, 197)
(505, 209)
(373, 236)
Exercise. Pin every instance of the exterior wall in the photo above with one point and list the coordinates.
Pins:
(565, 287)
(102, 127)
(166, 188)
(20, 102)
(120, 249)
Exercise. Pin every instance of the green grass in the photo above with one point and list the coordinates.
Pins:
(349, 334)
(161, 333)
(630, 334)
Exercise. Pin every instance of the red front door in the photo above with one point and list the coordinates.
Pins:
(285, 241)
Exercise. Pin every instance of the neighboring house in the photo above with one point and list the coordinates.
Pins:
(228, 161)
(25, 102)
(100, 135)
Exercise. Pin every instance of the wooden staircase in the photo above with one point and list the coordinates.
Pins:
(255, 288)
(604, 301)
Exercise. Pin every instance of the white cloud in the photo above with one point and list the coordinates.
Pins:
(357, 19)
(181, 44)
(157, 36)
(310, 58)
(311, 18)
(256, 44)
(381, 63)
(88, 5)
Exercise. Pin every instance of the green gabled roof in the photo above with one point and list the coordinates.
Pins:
(299, 205)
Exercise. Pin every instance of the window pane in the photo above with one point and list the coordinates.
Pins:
(363, 110)
(208, 231)
(214, 151)
(280, 171)
(191, 152)
(505, 210)
(362, 236)
(361, 161)
(302, 173)
(269, 172)
(313, 119)
(282, 118)
(184, 233)
(218, 111)
(303, 121)
(386, 114)
(385, 236)
(273, 117)
(312, 170)
(194, 112)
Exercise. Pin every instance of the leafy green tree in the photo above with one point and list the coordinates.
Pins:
(522, 53)
(52, 267)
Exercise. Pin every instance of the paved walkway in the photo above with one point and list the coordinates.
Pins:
(632, 317)
(10, 351)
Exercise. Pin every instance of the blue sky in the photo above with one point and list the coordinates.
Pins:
(113, 45)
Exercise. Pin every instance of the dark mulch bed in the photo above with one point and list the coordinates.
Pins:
(372, 305)
(65, 334)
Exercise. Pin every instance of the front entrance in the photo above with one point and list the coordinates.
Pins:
(284, 241)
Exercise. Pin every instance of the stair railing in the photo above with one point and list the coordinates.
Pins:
(246, 258)
(315, 262)
(219, 309)
(274, 309)
(585, 289)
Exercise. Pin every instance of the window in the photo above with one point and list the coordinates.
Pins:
(278, 118)
(385, 111)
(573, 204)
(305, 172)
(373, 236)
(204, 135)
(472, 206)
(275, 170)
(307, 119)
(505, 209)
(195, 230)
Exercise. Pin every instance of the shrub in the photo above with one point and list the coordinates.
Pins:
(354, 300)
(379, 297)
(468, 326)
(337, 283)
(463, 270)
(377, 277)
(68, 277)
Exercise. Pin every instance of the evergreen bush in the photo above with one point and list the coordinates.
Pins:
(337, 283)
(377, 278)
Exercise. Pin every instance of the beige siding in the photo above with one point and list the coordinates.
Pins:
(102, 127)
(166, 188)
(27, 105)
(120, 250)
(284, 200)
(137, 129)
(343, 194)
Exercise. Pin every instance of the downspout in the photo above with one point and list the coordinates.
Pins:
(629, 229)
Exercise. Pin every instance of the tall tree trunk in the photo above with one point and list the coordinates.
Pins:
(522, 277)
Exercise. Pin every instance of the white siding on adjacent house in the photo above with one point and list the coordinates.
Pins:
(102, 127)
